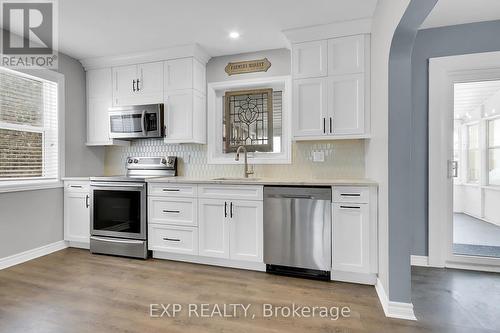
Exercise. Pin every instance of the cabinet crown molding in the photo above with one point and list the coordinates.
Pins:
(331, 30)
(175, 52)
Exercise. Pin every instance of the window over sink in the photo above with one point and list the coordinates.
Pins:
(254, 113)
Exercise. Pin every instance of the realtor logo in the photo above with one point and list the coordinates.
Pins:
(29, 34)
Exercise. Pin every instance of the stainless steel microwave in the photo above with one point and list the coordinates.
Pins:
(136, 122)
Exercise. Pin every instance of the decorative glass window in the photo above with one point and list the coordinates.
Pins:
(248, 120)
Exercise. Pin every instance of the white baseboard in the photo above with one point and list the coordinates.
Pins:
(394, 309)
(19, 258)
(420, 261)
(362, 278)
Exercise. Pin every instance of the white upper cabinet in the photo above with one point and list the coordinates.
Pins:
(309, 59)
(346, 110)
(335, 106)
(346, 55)
(185, 101)
(138, 84)
(310, 97)
(99, 100)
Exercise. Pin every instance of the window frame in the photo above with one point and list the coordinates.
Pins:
(488, 149)
(468, 150)
(215, 110)
(28, 184)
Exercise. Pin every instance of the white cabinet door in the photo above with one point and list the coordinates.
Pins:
(124, 85)
(346, 55)
(76, 216)
(99, 100)
(150, 86)
(309, 59)
(246, 230)
(179, 115)
(351, 238)
(310, 107)
(346, 107)
(179, 74)
(213, 228)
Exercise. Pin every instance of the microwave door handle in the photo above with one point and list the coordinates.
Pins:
(143, 125)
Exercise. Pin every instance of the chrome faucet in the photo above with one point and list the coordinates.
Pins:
(237, 158)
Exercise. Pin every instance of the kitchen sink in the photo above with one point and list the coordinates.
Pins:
(235, 178)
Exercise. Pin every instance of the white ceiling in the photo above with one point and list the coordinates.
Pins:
(469, 96)
(452, 12)
(90, 28)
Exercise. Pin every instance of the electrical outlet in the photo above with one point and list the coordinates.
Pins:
(318, 156)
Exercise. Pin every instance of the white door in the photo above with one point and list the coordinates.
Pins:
(346, 107)
(346, 55)
(246, 230)
(309, 59)
(464, 172)
(76, 217)
(124, 85)
(179, 115)
(213, 228)
(310, 107)
(150, 86)
(351, 238)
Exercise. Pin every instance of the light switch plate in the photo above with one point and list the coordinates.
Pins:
(318, 156)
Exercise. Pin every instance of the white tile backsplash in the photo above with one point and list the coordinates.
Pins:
(343, 159)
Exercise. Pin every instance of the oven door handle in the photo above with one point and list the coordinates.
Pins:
(115, 240)
(143, 125)
(135, 185)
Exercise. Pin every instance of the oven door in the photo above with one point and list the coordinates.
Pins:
(118, 209)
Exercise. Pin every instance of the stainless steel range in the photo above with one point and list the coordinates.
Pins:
(118, 207)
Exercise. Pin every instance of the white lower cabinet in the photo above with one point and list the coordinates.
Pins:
(354, 235)
(77, 213)
(227, 231)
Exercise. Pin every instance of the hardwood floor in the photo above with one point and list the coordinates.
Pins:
(74, 291)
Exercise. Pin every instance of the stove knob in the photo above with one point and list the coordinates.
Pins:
(163, 161)
(136, 160)
(129, 161)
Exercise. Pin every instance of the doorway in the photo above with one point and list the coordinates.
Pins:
(464, 161)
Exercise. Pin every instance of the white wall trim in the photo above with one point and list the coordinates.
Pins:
(443, 73)
(422, 261)
(332, 30)
(19, 258)
(176, 52)
(394, 309)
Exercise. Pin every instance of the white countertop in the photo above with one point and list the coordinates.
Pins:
(75, 178)
(266, 181)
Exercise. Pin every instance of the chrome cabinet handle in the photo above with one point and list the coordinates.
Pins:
(231, 209)
(138, 84)
(75, 186)
(171, 239)
(331, 122)
(225, 209)
(133, 85)
(171, 211)
(324, 125)
(87, 203)
(170, 190)
(350, 194)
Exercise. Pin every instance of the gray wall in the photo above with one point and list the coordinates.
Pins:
(30, 219)
(280, 65)
(430, 43)
(399, 145)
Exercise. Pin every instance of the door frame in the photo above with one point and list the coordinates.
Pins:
(443, 73)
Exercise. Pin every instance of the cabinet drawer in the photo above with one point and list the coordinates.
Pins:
(351, 194)
(231, 192)
(77, 186)
(173, 239)
(177, 211)
(172, 190)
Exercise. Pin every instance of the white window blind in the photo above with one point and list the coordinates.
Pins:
(29, 147)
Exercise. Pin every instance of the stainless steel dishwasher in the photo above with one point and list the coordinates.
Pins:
(297, 231)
